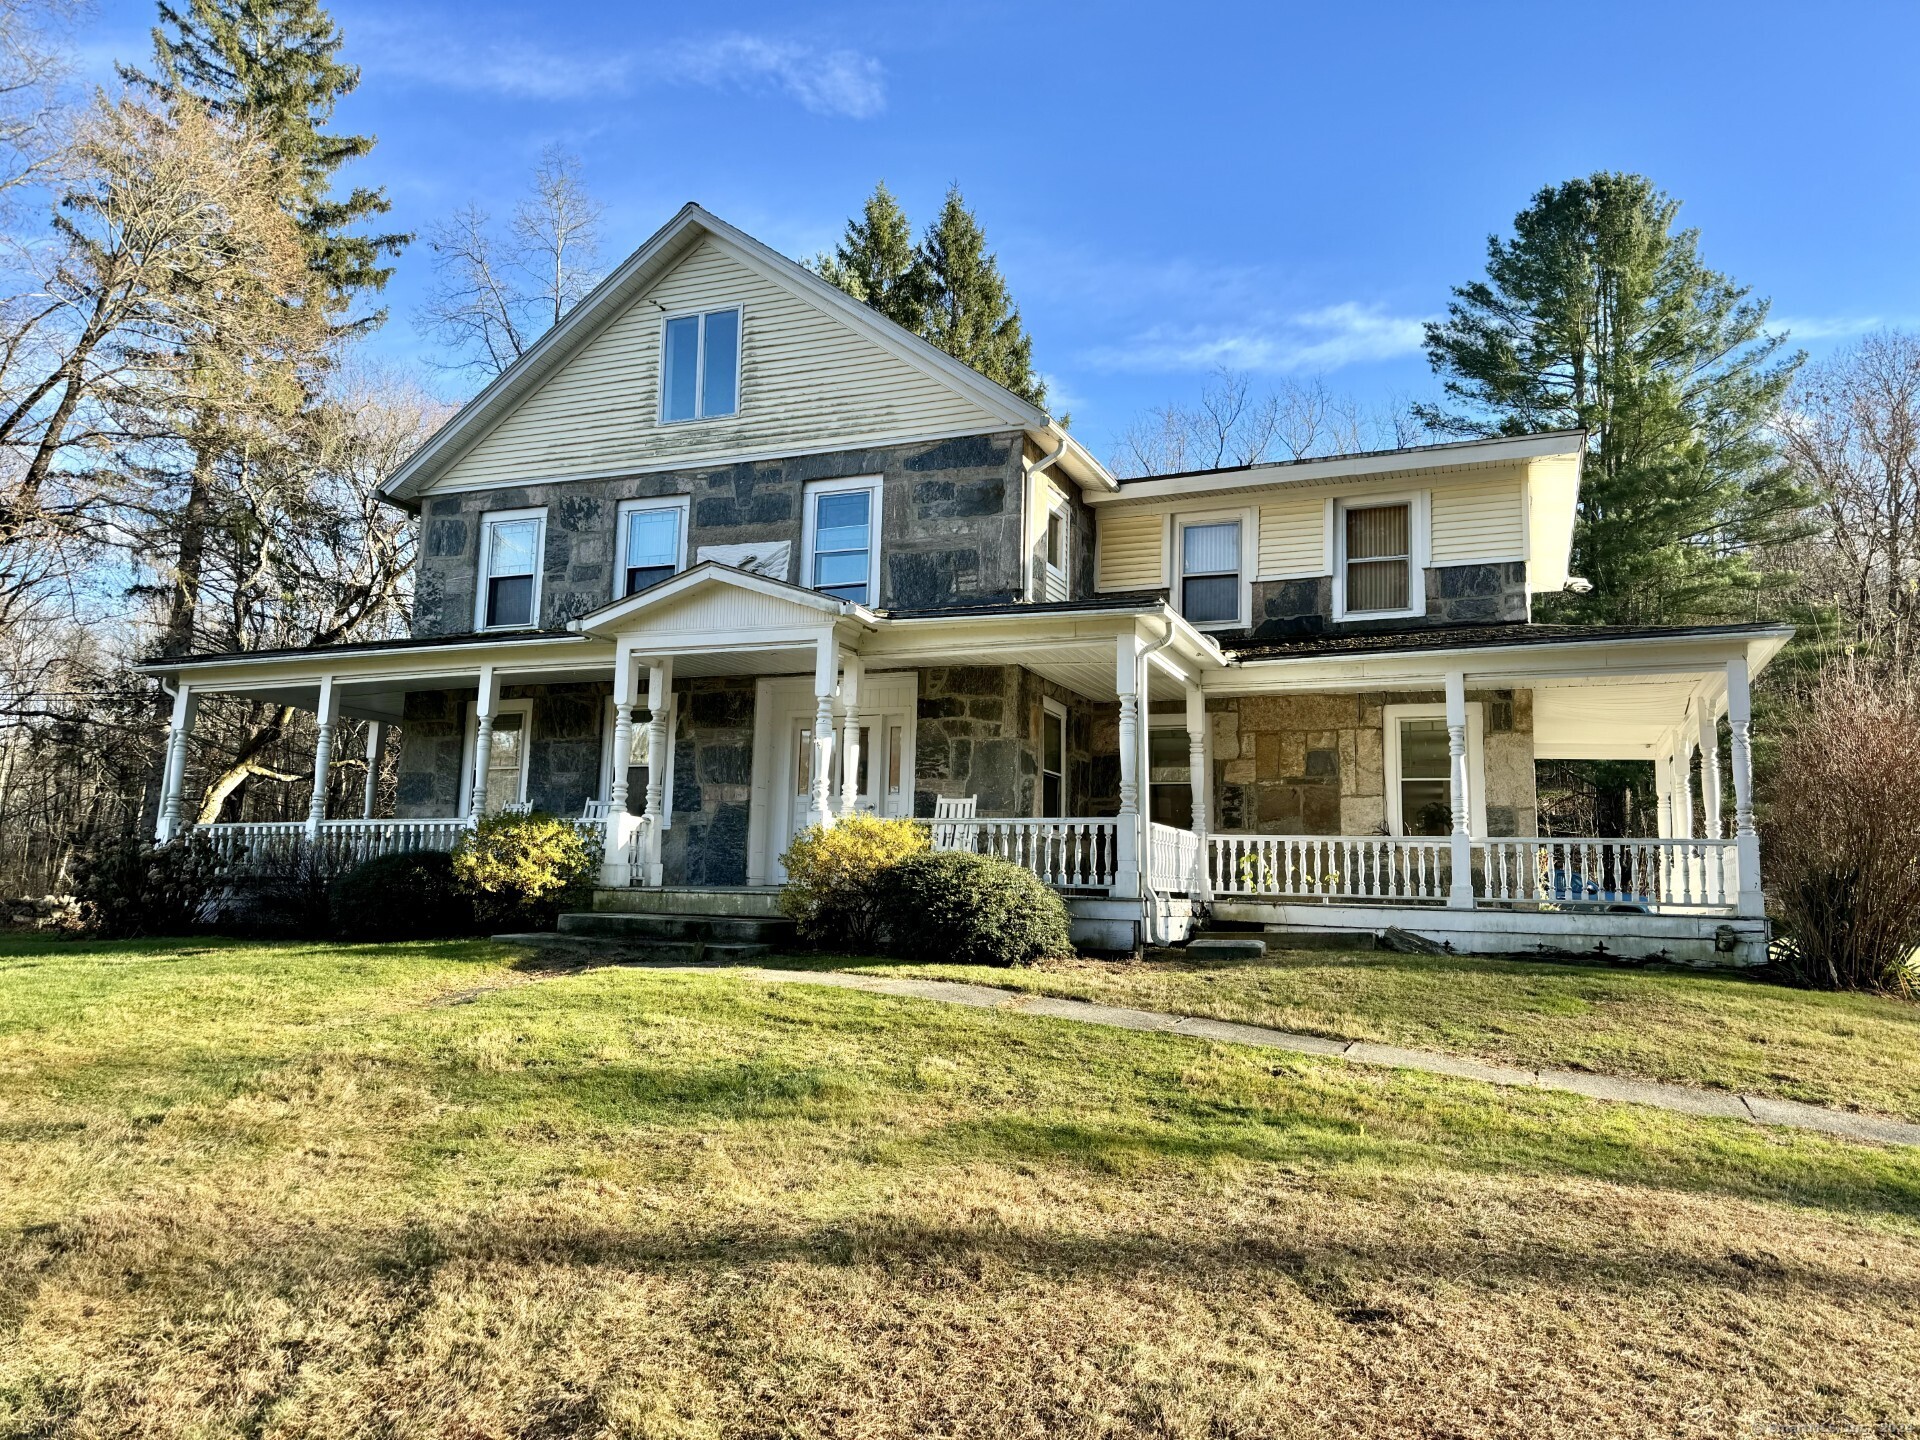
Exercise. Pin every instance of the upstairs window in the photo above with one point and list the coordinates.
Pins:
(1210, 572)
(510, 545)
(1057, 585)
(1379, 559)
(842, 558)
(700, 366)
(653, 537)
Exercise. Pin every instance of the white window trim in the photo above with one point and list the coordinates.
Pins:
(606, 759)
(1392, 715)
(1177, 570)
(1419, 551)
(488, 520)
(682, 503)
(873, 484)
(470, 739)
(700, 364)
(1059, 578)
(1050, 706)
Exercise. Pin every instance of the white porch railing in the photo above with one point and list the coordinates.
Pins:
(342, 844)
(1173, 859)
(1068, 854)
(1527, 872)
(1371, 868)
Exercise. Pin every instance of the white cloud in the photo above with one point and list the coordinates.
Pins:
(836, 82)
(1327, 338)
(1829, 327)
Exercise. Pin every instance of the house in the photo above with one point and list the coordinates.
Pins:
(727, 554)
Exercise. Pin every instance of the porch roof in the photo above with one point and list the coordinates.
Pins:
(1485, 637)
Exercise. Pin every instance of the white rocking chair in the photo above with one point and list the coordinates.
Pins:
(597, 810)
(948, 813)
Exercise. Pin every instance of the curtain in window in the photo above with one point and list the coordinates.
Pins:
(1378, 546)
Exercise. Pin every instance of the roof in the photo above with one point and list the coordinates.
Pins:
(357, 647)
(1464, 637)
(636, 275)
(1122, 600)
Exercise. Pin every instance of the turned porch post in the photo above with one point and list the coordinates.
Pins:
(376, 749)
(851, 670)
(186, 706)
(659, 702)
(616, 866)
(1126, 679)
(826, 674)
(1460, 843)
(327, 713)
(1746, 838)
(1200, 774)
(1710, 825)
(483, 709)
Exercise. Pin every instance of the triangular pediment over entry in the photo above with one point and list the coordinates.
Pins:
(720, 601)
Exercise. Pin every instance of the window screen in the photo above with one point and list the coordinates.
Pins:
(1210, 572)
(1378, 550)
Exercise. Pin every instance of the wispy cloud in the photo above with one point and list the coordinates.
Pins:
(1327, 338)
(826, 81)
(1831, 327)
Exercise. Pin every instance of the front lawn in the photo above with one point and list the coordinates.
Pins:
(433, 1191)
(1720, 1029)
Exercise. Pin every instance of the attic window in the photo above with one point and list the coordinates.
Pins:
(700, 366)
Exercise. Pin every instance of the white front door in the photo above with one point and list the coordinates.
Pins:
(885, 777)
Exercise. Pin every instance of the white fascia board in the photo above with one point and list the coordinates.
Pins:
(1379, 464)
(1077, 462)
(399, 662)
(1050, 627)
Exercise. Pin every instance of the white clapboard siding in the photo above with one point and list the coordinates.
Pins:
(807, 380)
(1133, 552)
(1479, 520)
(1293, 537)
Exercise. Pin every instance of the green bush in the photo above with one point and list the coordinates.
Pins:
(972, 910)
(523, 870)
(401, 897)
(131, 888)
(833, 891)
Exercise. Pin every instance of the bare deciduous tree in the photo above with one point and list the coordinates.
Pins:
(494, 295)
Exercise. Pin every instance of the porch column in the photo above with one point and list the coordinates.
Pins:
(173, 772)
(1126, 679)
(328, 715)
(1200, 775)
(1709, 774)
(1683, 786)
(376, 749)
(851, 670)
(826, 673)
(1746, 838)
(1663, 794)
(1460, 893)
(616, 866)
(484, 708)
(659, 698)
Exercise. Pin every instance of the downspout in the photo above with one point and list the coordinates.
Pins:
(1156, 932)
(1034, 470)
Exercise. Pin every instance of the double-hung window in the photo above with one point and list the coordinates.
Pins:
(700, 366)
(1419, 766)
(1377, 556)
(653, 543)
(1058, 587)
(842, 553)
(510, 547)
(1209, 555)
(1053, 759)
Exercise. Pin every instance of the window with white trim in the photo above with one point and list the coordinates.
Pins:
(1209, 555)
(700, 365)
(639, 745)
(511, 543)
(1376, 552)
(1170, 775)
(1053, 759)
(653, 543)
(1058, 553)
(1419, 767)
(842, 539)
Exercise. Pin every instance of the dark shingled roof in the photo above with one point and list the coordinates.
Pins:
(1128, 600)
(359, 647)
(1459, 637)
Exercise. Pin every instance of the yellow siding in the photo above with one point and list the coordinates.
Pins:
(1132, 552)
(1293, 537)
(807, 381)
(1479, 520)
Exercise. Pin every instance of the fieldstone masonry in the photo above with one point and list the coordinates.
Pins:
(1456, 595)
(712, 783)
(978, 733)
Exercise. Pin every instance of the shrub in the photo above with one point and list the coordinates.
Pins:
(973, 910)
(131, 888)
(524, 869)
(401, 897)
(1843, 836)
(833, 888)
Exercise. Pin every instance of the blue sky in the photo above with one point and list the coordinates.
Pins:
(1285, 188)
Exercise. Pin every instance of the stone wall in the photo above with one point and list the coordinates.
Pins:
(978, 733)
(563, 754)
(950, 526)
(712, 783)
(431, 735)
(1316, 764)
(1456, 595)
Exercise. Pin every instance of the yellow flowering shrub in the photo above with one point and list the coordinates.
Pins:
(833, 890)
(522, 869)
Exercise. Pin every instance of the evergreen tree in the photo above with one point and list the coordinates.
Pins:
(876, 262)
(1597, 313)
(948, 289)
(274, 67)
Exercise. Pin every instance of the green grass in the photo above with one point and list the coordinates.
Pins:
(432, 1190)
(1718, 1029)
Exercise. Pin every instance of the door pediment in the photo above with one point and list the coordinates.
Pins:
(717, 604)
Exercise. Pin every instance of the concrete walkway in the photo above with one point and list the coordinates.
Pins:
(1684, 1098)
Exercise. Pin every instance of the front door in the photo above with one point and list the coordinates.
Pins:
(885, 777)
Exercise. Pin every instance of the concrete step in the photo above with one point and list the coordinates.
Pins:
(639, 948)
(1227, 947)
(740, 901)
(685, 929)
(1281, 937)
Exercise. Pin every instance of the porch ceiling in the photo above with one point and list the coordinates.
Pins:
(1616, 718)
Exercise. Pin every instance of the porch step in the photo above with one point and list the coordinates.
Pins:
(1227, 947)
(641, 947)
(738, 901)
(735, 931)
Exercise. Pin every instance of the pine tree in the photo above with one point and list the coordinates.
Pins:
(969, 313)
(876, 261)
(273, 66)
(1597, 313)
